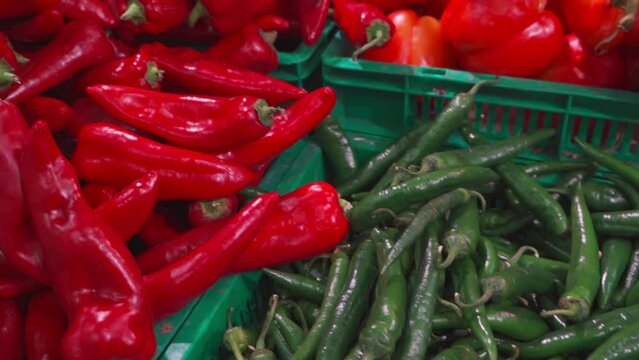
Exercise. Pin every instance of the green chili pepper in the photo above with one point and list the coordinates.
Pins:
(472, 136)
(336, 280)
(330, 136)
(534, 197)
(281, 346)
(293, 334)
(633, 295)
(614, 261)
(617, 223)
(352, 304)
(237, 339)
(463, 233)
(467, 285)
(554, 166)
(250, 192)
(582, 282)
(568, 181)
(629, 192)
(269, 327)
(298, 285)
(310, 310)
(630, 278)
(413, 191)
(490, 259)
(457, 352)
(559, 269)
(627, 172)
(556, 321)
(622, 345)
(499, 222)
(552, 246)
(603, 197)
(414, 342)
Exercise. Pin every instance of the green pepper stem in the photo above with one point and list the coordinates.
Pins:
(387, 211)
(481, 198)
(134, 12)
(451, 306)
(451, 256)
(473, 91)
(261, 340)
(520, 252)
(237, 353)
(484, 298)
(229, 321)
(199, 11)
(570, 312)
(21, 59)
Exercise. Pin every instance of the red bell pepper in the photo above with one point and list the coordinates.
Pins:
(158, 229)
(417, 41)
(111, 155)
(311, 15)
(480, 24)
(129, 210)
(173, 286)
(39, 28)
(12, 285)
(216, 78)
(288, 127)
(86, 111)
(205, 211)
(195, 122)
(13, 8)
(307, 222)
(45, 327)
(527, 53)
(155, 16)
(251, 47)
(595, 22)
(8, 64)
(57, 114)
(230, 15)
(98, 194)
(178, 246)
(388, 6)
(575, 64)
(11, 330)
(79, 45)
(94, 10)
(137, 71)
(363, 24)
(93, 274)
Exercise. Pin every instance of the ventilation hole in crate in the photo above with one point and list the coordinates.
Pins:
(483, 115)
(556, 118)
(576, 125)
(419, 107)
(498, 119)
(512, 119)
(525, 125)
(605, 133)
(433, 105)
(592, 123)
(633, 142)
(541, 118)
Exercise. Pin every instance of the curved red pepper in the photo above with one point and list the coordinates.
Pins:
(10, 9)
(595, 22)
(230, 15)
(173, 286)
(527, 53)
(111, 155)
(363, 24)
(86, 111)
(157, 229)
(138, 71)
(480, 24)
(94, 10)
(312, 15)
(45, 327)
(39, 28)
(98, 194)
(195, 122)
(206, 211)
(11, 329)
(178, 246)
(129, 210)
(121, 49)
(93, 273)
(56, 113)
(79, 45)
(16, 285)
(155, 16)
(298, 120)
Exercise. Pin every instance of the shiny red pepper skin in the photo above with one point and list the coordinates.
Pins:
(15, 285)
(56, 113)
(631, 57)
(87, 111)
(362, 22)
(94, 10)
(129, 210)
(11, 329)
(312, 15)
(79, 45)
(593, 21)
(45, 327)
(251, 47)
(392, 5)
(38, 28)
(178, 246)
(189, 121)
(527, 53)
(157, 229)
(98, 194)
(298, 120)
(111, 155)
(137, 71)
(93, 273)
(308, 221)
(11, 9)
(175, 285)
(230, 15)
(121, 49)
(155, 16)
(206, 211)
(216, 78)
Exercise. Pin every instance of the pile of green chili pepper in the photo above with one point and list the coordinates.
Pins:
(464, 254)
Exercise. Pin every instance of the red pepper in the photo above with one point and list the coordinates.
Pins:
(195, 122)
(480, 24)
(307, 222)
(595, 22)
(11, 330)
(45, 327)
(216, 78)
(363, 24)
(527, 53)
(205, 211)
(16, 285)
(93, 274)
(417, 41)
(121, 49)
(129, 210)
(157, 229)
(16, 8)
(392, 5)
(156, 16)
(575, 64)
(251, 47)
(57, 114)
(94, 10)
(137, 71)
(38, 28)
(86, 111)
(631, 56)
(98, 194)
(288, 127)
(178, 246)
(311, 15)
(175, 285)
(79, 45)
(230, 15)
(111, 155)
(8, 64)
(631, 38)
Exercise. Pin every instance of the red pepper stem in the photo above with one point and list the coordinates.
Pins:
(260, 344)
(153, 74)
(378, 40)
(264, 112)
(7, 76)
(199, 11)
(134, 12)
(630, 15)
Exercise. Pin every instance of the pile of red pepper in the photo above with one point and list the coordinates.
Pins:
(125, 160)
(583, 42)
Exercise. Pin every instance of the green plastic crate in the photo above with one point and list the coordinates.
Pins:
(301, 67)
